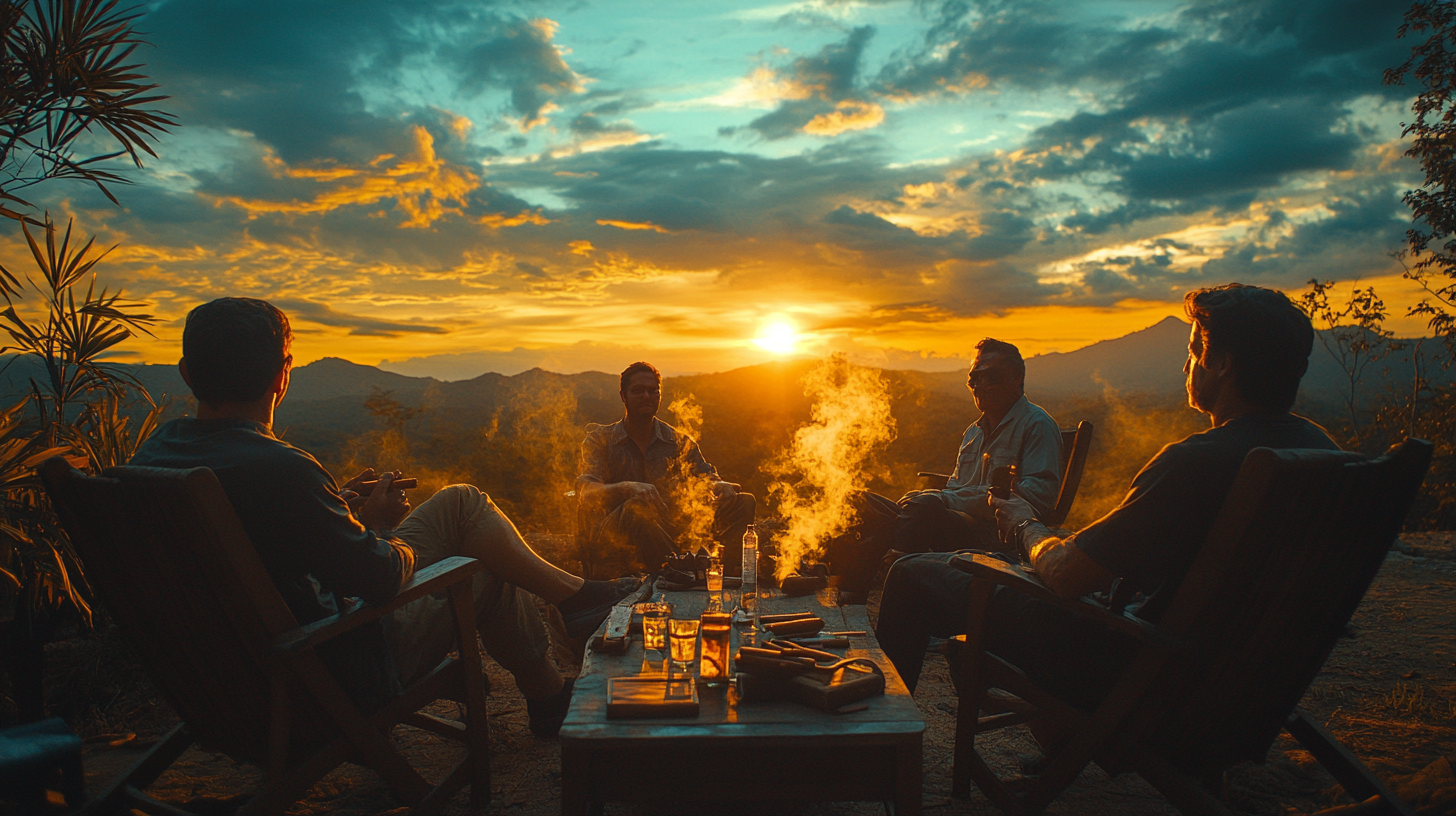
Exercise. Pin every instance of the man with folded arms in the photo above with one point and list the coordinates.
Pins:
(1247, 351)
(321, 543)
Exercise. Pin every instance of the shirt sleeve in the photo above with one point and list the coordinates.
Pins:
(692, 460)
(336, 549)
(1038, 479)
(593, 459)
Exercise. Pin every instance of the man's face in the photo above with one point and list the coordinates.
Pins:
(993, 383)
(643, 395)
(1203, 385)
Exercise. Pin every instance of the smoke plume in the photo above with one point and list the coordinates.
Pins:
(692, 494)
(849, 422)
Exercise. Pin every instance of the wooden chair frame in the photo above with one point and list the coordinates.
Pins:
(1075, 443)
(168, 556)
(1298, 541)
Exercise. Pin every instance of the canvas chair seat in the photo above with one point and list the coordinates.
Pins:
(1290, 555)
(168, 557)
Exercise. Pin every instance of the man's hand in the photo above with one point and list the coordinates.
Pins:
(1010, 512)
(905, 499)
(350, 491)
(385, 508)
(642, 490)
(724, 490)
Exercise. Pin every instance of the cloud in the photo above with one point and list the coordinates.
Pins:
(631, 225)
(819, 92)
(421, 185)
(324, 314)
(520, 55)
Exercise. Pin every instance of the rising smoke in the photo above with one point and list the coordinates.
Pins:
(691, 494)
(827, 460)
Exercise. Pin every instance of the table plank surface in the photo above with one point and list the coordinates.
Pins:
(867, 755)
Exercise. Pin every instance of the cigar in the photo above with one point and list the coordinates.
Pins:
(802, 626)
(824, 643)
(365, 488)
(792, 649)
(785, 617)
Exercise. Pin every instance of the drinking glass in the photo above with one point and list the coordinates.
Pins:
(715, 584)
(683, 643)
(654, 626)
(717, 629)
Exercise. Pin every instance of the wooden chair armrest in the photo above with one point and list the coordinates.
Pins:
(429, 580)
(1017, 578)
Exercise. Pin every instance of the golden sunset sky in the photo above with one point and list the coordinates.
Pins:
(450, 188)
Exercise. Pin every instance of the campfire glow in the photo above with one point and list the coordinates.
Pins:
(849, 422)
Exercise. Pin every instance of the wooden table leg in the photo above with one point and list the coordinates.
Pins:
(908, 777)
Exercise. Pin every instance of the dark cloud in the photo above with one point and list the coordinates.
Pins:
(357, 325)
(518, 54)
(824, 81)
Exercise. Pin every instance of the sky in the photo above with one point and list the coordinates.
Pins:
(449, 188)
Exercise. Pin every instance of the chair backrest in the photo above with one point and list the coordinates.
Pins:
(1290, 555)
(1075, 442)
(170, 560)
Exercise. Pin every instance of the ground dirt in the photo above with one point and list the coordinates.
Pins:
(1388, 691)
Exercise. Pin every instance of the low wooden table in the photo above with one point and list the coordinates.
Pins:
(743, 752)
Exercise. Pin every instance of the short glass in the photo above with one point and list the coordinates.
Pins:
(654, 626)
(683, 643)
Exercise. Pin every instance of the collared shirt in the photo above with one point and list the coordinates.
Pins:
(609, 455)
(311, 545)
(1026, 437)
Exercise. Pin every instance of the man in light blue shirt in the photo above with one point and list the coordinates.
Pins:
(1011, 431)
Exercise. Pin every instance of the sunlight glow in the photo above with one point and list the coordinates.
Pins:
(778, 337)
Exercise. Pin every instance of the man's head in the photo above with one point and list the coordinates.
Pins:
(234, 349)
(998, 376)
(1248, 339)
(641, 390)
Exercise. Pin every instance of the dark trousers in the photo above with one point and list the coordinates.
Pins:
(1067, 655)
(922, 524)
(635, 531)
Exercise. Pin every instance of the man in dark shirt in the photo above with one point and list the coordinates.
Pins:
(1247, 351)
(642, 480)
(320, 544)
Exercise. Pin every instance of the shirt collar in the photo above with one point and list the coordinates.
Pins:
(660, 431)
(1017, 408)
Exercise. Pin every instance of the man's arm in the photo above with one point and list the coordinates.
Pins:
(1038, 472)
(592, 487)
(334, 547)
(1060, 563)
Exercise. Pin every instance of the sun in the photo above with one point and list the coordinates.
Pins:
(778, 337)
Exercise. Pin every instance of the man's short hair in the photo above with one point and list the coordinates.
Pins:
(639, 368)
(234, 347)
(1008, 352)
(1266, 335)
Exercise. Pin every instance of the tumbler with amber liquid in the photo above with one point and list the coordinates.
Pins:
(713, 667)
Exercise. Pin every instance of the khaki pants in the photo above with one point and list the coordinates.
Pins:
(460, 520)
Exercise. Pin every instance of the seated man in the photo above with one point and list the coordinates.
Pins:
(1010, 431)
(1247, 351)
(633, 473)
(318, 548)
